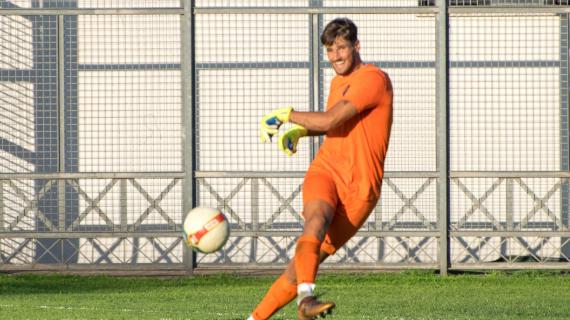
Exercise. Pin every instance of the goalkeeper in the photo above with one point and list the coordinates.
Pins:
(342, 184)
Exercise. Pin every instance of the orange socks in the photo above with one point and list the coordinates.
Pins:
(282, 291)
(280, 294)
(307, 259)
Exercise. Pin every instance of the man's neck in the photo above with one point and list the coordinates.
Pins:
(355, 67)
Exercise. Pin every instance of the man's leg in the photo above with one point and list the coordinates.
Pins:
(283, 291)
(318, 216)
(348, 218)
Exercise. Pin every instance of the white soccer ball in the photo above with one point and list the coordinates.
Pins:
(206, 229)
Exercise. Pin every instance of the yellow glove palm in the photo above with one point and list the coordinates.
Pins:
(288, 141)
(271, 122)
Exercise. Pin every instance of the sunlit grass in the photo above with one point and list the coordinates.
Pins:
(404, 295)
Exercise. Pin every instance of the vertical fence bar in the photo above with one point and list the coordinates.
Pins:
(564, 143)
(509, 208)
(378, 227)
(61, 204)
(564, 132)
(314, 74)
(509, 194)
(254, 218)
(187, 67)
(442, 118)
(1, 205)
(61, 119)
(123, 204)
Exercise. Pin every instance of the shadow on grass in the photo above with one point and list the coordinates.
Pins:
(34, 284)
(38, 284)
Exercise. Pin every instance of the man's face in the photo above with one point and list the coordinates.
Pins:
(343, 56)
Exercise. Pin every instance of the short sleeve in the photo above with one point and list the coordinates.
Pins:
(365, 90)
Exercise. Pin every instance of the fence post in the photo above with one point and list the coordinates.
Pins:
(316, 73)
(442, 119)
(187, 67)
(61, 119)
(564, 152)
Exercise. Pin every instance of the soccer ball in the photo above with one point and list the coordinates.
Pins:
(206, 229)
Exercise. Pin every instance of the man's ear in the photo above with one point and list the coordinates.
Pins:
(357, 46)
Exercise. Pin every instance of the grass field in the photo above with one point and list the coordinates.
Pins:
(398, 296)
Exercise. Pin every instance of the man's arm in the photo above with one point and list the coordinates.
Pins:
(318, 123)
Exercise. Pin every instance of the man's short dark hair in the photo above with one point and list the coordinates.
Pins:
(339, 27)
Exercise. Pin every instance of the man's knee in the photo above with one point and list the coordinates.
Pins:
(318, 216)
(318, 212)
(317, 221)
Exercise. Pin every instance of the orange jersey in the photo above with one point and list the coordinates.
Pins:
(354, 152)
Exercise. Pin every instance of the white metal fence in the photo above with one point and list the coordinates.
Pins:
(118, 116)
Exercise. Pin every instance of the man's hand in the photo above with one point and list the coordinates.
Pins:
(288, 141)
(271, 122)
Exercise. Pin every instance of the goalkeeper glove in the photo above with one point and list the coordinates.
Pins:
(288, 141)
(271, 122)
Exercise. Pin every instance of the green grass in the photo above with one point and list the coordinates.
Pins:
(397, 296)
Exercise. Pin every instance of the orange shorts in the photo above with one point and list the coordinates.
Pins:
(350, 211)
